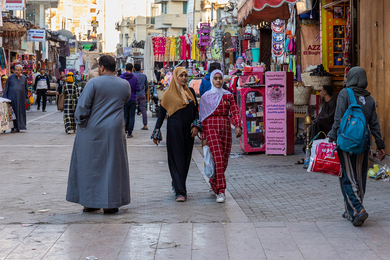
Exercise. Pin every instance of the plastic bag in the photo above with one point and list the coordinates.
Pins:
(324, 158)
(209, 167)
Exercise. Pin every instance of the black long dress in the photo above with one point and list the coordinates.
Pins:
(179, 142)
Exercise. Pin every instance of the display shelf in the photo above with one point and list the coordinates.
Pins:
(253, 138)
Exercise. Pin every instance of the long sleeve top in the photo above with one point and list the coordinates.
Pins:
(328, 111)
(369, 110)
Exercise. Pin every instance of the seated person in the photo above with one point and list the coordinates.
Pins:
(325, 119)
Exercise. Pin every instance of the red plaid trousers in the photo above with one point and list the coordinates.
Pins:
(218, 132)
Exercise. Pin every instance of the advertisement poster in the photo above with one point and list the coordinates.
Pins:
(311, 46)
(276, 119)
(14, 5)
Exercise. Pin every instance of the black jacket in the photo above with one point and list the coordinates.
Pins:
(42, 77)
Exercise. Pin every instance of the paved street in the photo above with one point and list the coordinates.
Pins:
(274, 209)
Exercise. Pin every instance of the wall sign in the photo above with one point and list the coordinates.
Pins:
(36, 35)
(14, 5)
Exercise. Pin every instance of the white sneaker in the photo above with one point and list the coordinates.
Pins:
(221, 198)
(212, 193)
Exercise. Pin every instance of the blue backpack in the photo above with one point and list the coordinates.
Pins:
(353, 131)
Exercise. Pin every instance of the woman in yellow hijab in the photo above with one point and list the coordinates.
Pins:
(180, 103)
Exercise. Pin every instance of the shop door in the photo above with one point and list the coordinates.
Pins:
(265, 46)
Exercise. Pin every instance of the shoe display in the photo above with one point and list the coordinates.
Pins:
(221, 198)
(180, 198)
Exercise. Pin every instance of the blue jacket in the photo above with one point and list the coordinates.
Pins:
(205, 85)
(134, 84)
(143, 83)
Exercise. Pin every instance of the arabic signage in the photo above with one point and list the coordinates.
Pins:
(14, 5)
(36, 36)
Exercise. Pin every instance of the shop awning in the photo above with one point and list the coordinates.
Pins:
(256, 11)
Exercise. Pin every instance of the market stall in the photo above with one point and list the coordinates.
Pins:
(6, 115)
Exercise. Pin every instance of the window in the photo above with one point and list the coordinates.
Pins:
(164, 8)
(127, 39)
(183, 31)
(184, 7)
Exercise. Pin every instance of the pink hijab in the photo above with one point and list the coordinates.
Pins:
(211, 99)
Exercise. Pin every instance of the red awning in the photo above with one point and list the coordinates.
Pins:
(256, 11)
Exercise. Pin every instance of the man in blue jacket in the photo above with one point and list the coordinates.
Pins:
(141, 95)
(206, 84)
(132, 104)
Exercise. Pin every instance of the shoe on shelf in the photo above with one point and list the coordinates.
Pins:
(221, 198)
(212, 193)
(180, 198)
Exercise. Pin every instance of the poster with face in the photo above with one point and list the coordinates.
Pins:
(248, 79)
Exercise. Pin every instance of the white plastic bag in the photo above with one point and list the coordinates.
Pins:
(209, 167)
(313, 151)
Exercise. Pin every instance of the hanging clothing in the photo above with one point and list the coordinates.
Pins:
(182, 116)
(16, 90)
(194, 49)
(178, 48)
(183, 48)
(99, 169)
(167, 49)
(218, 110)
(71, 92)
(172, 49)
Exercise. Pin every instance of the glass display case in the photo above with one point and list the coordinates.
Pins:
(251, 104)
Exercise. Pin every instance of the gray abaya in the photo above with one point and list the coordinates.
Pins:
(16, 90)
(99, 171)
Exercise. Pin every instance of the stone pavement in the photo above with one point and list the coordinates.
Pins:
(274, 209)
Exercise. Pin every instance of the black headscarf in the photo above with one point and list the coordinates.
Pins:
(357, 81)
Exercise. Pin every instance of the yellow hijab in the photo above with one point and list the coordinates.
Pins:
(176, 97)
(69, 77)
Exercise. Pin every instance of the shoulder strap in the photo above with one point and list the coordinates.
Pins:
(351, 96)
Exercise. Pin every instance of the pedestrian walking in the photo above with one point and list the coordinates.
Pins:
(72, 93)
(183, 125)
(131, 105)
(99, 171)
(16, 90)
(141, 94)
(42, 84)
(218, 110)
(205, 85)
(354, 167)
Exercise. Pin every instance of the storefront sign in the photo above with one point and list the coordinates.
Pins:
(276, 116)
(311, 46)
(190, 17)
(14, 5)
(36, 36)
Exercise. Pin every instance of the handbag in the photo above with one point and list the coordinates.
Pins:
(324, 158)
(61, 102)
(209, 167)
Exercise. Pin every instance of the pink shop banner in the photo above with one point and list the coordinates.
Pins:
(276, 116)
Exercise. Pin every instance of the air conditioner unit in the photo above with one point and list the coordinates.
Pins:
(304, 6)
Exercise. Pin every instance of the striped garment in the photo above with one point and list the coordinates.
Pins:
(353, 181)
(71, 96)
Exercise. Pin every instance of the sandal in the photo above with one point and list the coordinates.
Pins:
(90, 209)
(110, 211)
(301, 161)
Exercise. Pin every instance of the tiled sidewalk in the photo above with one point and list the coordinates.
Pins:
(274, 209)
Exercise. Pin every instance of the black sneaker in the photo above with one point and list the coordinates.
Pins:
(43, 110)
(129, 135)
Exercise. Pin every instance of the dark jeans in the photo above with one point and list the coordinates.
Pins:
(42, 93)
(142, 106)
(130, 116)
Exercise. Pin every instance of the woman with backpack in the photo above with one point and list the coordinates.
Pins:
(354, 159)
